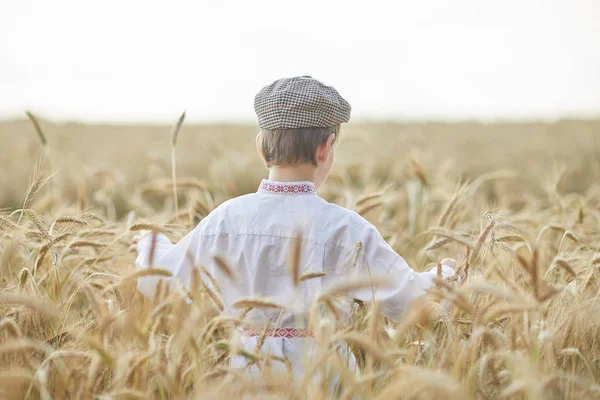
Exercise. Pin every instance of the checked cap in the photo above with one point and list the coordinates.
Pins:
(300, 102)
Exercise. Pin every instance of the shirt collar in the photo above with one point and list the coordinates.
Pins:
(267, 186)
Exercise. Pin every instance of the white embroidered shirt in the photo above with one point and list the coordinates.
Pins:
(255, 233)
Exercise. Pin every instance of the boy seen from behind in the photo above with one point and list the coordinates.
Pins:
(300, 121)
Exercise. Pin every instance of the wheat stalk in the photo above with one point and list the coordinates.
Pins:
(354, 284)
(225, 268)
(85, 243)
(451, 236)
(39, 305)
(6, 221)
(367, 345)
(174, 137)
(564, 264)
(96, 232)
(146, 226)
(438, 244)
(38, 129)
(38, 182)
(366, 207)
(145, 272)
(481, 240)
(311, 275)
(257, 302)
(69, 219)
(506, 332)
(355, 255)
(294, 259)
(509, 238)
(370, 196)
(419, 172)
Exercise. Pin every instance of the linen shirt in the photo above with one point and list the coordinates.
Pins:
(255, 234)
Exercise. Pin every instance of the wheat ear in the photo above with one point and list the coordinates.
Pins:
(294, 259)
(37, 128)
(174, 137)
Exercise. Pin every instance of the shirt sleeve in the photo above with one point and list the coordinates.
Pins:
(176, 258)
(378, 259)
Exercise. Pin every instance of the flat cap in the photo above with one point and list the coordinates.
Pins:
(300, 102)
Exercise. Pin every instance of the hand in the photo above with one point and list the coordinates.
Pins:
(139, 235)
(449, 262)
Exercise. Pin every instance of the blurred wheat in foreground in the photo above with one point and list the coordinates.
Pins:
(524, 324)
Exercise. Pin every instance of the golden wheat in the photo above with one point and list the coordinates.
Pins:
(523, 323)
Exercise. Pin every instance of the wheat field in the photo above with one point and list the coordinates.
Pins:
(517, 204)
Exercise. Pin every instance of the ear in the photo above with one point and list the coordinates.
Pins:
(324, 149)
(259, 147)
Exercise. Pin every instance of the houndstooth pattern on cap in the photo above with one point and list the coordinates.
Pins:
(300, 102)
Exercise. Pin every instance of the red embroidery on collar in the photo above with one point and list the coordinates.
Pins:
(288, 188)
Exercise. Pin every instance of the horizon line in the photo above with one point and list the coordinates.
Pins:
(399, 119)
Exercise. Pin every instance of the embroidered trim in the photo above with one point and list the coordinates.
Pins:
(290, 333)
(288, 188)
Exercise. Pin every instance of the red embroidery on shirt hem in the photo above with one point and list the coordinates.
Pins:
(292, 333)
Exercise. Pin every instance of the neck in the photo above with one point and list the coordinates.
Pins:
(292, 173)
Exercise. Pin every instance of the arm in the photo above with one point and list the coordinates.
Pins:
(380, 260)
(176, 258)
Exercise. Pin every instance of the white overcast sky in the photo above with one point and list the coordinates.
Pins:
(131, 61)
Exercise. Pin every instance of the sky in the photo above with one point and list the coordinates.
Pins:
(147, 61)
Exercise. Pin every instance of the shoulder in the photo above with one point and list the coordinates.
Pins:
(345, 226)
(234, 203)
(349, 228)
(345, 215)
(227, 209)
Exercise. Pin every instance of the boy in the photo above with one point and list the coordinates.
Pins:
(300, 121)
